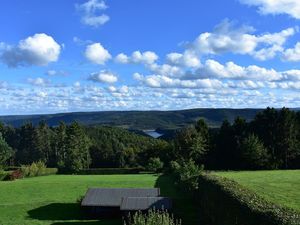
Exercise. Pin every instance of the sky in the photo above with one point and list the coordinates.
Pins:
(99, 55)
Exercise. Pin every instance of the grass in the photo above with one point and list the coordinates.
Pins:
(281, 187)
(52, 199)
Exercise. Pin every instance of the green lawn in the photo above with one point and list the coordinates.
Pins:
(52, 199)
(281, 186)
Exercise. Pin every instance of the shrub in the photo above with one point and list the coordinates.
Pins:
(16, 174)
(109, 171)
(37, 169)
(153, 217)
(225, 202)
(186, 174)
(3, 175)
(155, 165)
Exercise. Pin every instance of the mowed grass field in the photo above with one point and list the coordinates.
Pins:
(280, 186)
(52, 199)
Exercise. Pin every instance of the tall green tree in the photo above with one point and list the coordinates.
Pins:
(253, 153)
(59, 145)
(77, 148)
(6, 151)
(42, 143)
(287, 143)
(189, 144)
(25, 152)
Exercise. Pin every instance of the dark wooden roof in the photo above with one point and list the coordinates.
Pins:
(145, 203)
(112, 197)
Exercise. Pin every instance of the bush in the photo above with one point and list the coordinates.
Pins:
(37, 169)
(3, 175)
(155, 165)
(109, 171)
(186, 174)
(153, 217)
(225, 202)
(14, 175)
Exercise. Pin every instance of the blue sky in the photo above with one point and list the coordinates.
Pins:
(94, 55)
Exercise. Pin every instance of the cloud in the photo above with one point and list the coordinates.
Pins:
(122, 58)
(213, 69)
(38, 82)
(160, 81)
(56, 73)
(187, 59)
(97, 54)
(92, 13)
(147, 58)
(38, 50)
(227, 38)
(289, 7)
(103, 77)
(292, 54)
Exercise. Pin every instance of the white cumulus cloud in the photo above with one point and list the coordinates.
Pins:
(290, 7)
(292, 54)
(39, 50)
(226, 38)
(103, 77)
(147, 58)
(92, 13)
(97, 54)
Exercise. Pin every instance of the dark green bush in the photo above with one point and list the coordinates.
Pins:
(155, 165)
(225, 202)
(108, 171)
(186, 174)
(3, 175)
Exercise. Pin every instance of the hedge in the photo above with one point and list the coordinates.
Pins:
(109, 171)
(225, 202)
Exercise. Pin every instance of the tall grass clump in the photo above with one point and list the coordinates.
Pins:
(37, 169)
(153, 217)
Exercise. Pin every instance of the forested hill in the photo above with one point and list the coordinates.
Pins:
(138, 120)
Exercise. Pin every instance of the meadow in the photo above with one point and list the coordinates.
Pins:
(280, 186)
(53, 199)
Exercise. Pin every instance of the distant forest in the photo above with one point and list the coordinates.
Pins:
(270, 141)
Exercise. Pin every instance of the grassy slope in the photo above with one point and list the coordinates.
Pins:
(52, 199)
(281, 187)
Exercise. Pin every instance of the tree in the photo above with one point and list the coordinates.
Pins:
(59, 145)
(42, 143)
(254, 154)
(77, 148)
(25, 153)
(6, 151)
(225, 144)
(189, 144)
(155, 165)
(287, 137)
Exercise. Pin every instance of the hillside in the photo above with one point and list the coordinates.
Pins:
(138, 120)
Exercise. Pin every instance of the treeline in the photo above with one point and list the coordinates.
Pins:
(270, 141)
(72, 147)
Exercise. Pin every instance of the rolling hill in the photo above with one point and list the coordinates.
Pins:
(138, 120)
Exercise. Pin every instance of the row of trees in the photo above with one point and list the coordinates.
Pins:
(270, 141)
(72, 147)
(66, 147)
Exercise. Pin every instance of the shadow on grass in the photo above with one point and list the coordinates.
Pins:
(66, 212)
(103, 222)
(57, 211)
(184, 206)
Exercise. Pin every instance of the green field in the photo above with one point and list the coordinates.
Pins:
(52, 199)
(281, 186)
